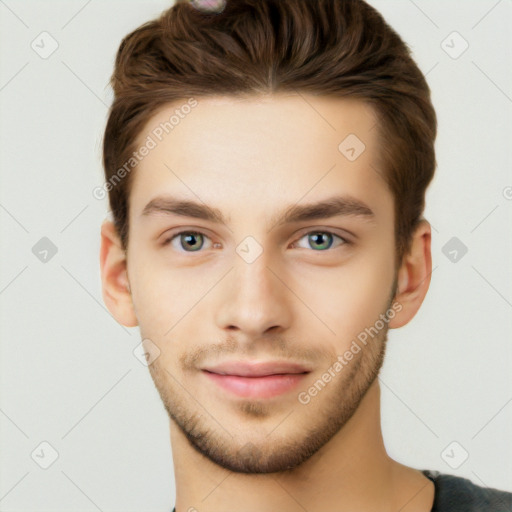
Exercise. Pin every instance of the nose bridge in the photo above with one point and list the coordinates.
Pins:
(254, 279)
(255, 299)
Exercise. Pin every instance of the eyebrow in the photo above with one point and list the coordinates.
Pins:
(331, 207)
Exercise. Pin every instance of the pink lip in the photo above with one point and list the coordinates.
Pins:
(257, 379)
(257, 387)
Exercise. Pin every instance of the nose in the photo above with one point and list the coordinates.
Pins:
(254, 299)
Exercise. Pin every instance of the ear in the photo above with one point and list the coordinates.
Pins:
(413, 277)
(114, 277)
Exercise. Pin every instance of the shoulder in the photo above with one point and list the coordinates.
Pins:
(454, 494)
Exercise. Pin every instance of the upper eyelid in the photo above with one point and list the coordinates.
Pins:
(343, 237)
(307, 231)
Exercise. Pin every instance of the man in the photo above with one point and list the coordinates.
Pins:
(267, 162)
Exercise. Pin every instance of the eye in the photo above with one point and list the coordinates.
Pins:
(322, 240)
(186, 240)
(194, 241)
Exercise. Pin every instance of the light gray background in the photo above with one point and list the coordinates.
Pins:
(68, 375)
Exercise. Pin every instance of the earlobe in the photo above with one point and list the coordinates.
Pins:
(114, 278)
(413, 276)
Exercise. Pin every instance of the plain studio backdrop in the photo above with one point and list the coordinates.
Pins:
(74, 397)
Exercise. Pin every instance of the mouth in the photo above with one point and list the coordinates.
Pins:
(257, 379)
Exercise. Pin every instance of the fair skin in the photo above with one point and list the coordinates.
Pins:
(201, 303)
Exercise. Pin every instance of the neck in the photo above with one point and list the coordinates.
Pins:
(352, 472)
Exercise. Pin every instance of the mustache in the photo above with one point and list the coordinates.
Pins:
(263, 348)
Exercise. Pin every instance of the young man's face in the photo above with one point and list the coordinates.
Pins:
(254, 288)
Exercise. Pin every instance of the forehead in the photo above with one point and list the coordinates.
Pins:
(268, 149)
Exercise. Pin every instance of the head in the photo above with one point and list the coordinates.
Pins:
(304, 134)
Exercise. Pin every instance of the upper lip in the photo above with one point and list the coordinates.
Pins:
(256, 368)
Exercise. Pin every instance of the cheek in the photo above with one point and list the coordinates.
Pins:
(165, 297)
(154, 300)
(347, 299)
(372, 294)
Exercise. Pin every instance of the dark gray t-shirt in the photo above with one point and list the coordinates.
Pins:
(457, 494)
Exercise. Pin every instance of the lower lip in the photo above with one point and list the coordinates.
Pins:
(257, 387)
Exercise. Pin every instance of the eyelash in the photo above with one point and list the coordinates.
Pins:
(168, 240)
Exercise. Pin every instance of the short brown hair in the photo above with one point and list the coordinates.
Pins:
(340, 48)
